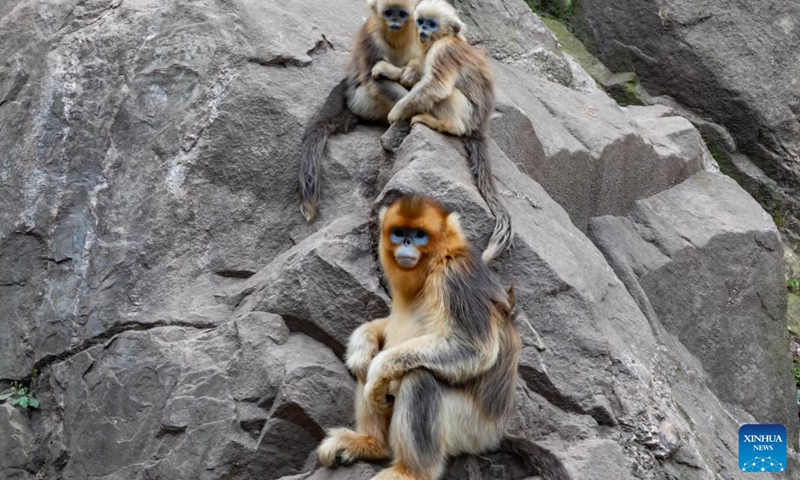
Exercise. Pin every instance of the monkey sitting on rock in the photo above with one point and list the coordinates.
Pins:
(389, 35)
(437, 377)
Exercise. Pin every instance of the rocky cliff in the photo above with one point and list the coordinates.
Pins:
(186, 322)
(734, 63)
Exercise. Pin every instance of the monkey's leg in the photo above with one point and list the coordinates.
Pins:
(344, 446)
(374, 100)
(417, 432)
(451, 115)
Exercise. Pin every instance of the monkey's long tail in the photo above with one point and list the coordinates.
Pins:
(482, 173)
(538, 460)
(311, 153)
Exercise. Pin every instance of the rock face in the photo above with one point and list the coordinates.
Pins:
(731, 61)
(187, 323)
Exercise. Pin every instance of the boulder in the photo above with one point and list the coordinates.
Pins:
(704, 261)
(18, 444)
(735, 64)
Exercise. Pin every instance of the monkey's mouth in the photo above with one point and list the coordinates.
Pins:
(424, 37)
(407, 261)
(395, 27)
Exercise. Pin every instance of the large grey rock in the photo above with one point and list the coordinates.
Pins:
(706, 262)
(593, 157)
(733, 61)
(235, 401)
(512, 34)
(186, 321)
(17, 444)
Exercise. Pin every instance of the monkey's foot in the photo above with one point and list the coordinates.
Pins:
(343, 446)
(397, 472)
(427, 119)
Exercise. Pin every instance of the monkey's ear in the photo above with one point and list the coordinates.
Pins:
(372, 4)
(459, 27)
(453, 222)
(382, 214)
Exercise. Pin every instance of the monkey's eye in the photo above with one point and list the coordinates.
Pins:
(397, 236)
(388, 13)
(420, 21)
(433, 24)
(402, 13)
(420, 237)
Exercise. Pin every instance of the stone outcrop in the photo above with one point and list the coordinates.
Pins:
(187, 323)
(732, 62)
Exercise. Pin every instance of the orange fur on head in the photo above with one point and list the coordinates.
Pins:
(445, 239)
(395, 39)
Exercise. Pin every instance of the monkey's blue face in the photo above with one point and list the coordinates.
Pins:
(408, 241)
(395, 17)
(427, 27)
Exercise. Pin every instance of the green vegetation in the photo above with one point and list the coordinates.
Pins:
(559, 9)
(793, 284)
(726, 166)
(22, 397)
(622, 87)
(570, 44)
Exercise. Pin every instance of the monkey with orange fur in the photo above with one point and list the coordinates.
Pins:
(449, 347)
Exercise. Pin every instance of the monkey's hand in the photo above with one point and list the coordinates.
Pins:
(411, 74)
(384, 69)
(377, 386)
(364, 344)
(382, 380)
(398, 112)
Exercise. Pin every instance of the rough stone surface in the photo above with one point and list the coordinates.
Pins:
(592, 157)
(732, 61)
(17, 444)
(512, 34)
(700, 259)
(188, 324)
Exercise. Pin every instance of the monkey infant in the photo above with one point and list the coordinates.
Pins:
(451, 345)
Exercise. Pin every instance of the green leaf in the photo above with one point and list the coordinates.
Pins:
(34, 403)
(5, 396)
(14, 402)
(23, 391)
(23, 402)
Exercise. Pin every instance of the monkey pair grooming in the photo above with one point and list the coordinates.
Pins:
(389, 35)
(454, 95)
(437, 377)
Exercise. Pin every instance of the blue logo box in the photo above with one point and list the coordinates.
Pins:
(762, 448)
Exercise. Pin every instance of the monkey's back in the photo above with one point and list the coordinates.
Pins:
(478, 302)
(475, 79)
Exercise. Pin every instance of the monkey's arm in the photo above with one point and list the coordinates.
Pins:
(363, 345)
(451, 359)
(367, 54)
(407, 76)
(384, 69)
(436, 85)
